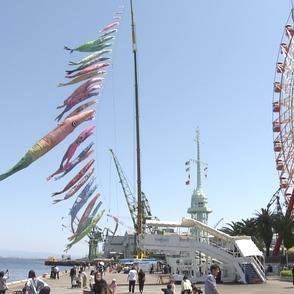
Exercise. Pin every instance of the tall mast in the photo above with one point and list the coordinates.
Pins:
(139, 190)
(199, 185)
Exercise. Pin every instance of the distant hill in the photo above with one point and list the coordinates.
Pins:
(29, 254)
(26, 254)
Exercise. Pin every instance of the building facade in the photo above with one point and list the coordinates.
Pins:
(119, 246)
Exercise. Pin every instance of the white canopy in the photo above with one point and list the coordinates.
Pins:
(248, 248)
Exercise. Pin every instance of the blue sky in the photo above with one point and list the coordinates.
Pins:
(201, 63)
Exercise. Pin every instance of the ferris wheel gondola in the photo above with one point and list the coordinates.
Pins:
(283, 119)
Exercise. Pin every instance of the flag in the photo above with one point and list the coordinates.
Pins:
(205, 171)
(187, 164)
(188, 181)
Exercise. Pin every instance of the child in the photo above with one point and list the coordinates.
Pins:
(113, 286)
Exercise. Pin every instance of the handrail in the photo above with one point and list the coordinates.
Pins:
(258, 267)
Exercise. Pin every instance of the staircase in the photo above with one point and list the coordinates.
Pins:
(251, 276)
(239, 256)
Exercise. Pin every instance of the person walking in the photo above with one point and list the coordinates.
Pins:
(186, 287)
(91, 279)
(34, 285)
(100, 268)
(210, 282)
(3, 278)
(79, 278)
(84, 278)
(132, 278)
(56, 271)
(141, 280)
(73, 274)
(52, 272)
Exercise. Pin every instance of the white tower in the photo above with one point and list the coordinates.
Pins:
(199, 209)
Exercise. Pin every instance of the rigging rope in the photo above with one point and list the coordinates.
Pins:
(114, 116)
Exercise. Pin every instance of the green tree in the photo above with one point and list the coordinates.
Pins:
(245, 227)
(233, 229)
(264, 224)
(284, 226)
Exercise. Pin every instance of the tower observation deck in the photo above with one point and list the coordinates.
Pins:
(199, 203)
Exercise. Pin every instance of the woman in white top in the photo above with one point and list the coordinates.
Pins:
(34, 285)
(186, 287)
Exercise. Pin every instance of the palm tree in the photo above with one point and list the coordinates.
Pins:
(264, 224)
(243, 227)
(285, 227)
(233, 229)
(247, 227)
(261, 229)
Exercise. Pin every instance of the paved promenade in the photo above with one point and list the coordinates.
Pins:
(62, 286)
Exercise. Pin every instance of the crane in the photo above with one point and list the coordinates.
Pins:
(130, 198)
(276, 199)
(219, 221)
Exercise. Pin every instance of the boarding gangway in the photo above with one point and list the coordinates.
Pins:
(238, 255)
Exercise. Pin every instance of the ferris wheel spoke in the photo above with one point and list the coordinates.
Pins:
(287, 151)
(289, 163)
(286, 86)
(288, 130)
(286, 101)
(286, 67)
(284, 117)
(290, 54)
(287, 148)
(285, 128)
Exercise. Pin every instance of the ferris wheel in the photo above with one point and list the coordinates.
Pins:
(283, 118)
